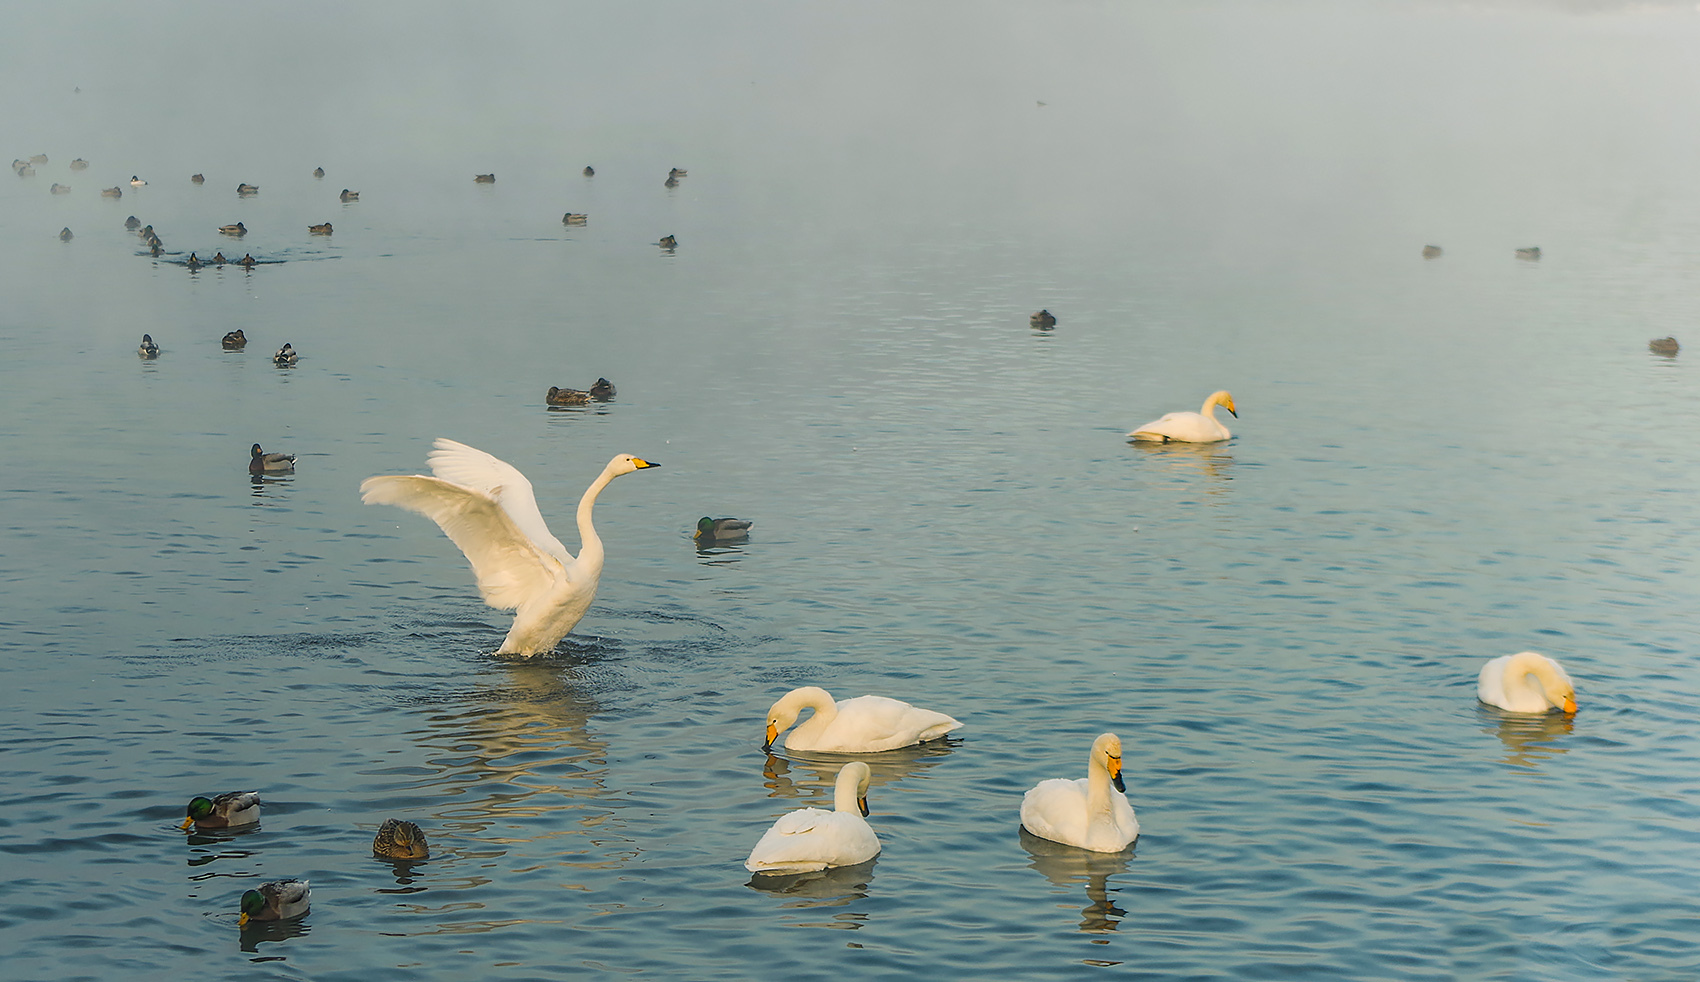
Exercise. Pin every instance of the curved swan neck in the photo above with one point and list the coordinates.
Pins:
(1209, 410)
(1097, 787)
(851, 788)
(1522, 667)
(590, 544)
(817, 699)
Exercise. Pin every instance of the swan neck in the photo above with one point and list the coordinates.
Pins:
(590, 544)
(825, 711)
(844, 794)
(1098, 788)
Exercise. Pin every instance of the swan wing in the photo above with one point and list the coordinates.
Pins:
(470, 467)
(1055, 809)
(509, 566)
(1186, 427)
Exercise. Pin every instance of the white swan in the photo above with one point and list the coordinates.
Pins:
(1526, 683)
(863, 725)
(1199, 427)
(812, 838)
(485, 506)
(1084, 812)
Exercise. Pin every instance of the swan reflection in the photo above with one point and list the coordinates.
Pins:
(1066, 866)
(1527, 736)
(811, 776)
(835, 887)
(1184, 460)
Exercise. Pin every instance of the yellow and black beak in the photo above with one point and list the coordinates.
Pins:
(1116, 774)
(772, 734)
(862, 803)
(640, 463)
(1229, 406)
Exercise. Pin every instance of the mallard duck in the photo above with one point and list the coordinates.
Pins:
(571, 219)
(247, 260)
(218, 257)
(721, 529)
(589, 171)
(668, 242)
(65, 234)
(602, 391)
(1199, 427)
(260, 462)
(1431, 252)
(26, 170)
(1532, 252)
(197, 178)
(156, 247)
(247, 189)
(676, 172)
(238, 229)
(1663, 346)
(566, 397)
(483, 178)
(136, 182)
(279, 900)
(285, 355)
(192, 262)
(397, 839)
(148, 349)
(112, 192)
(145, 232)
(318, 172)
(348, 195)
(39, 158)
(324, 229)
(1043, 320)
(223, 810)
(132, 223)
(671, 182)
(79, 164)
(235, 339)
(60, 189)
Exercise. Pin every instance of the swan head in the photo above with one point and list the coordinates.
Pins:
(1226, 401)
(1107, 753)
(626, 463)
(784, 712)
(1555, 683)
(858, 774)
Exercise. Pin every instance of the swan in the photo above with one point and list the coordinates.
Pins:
(811, 839)
(1084, 812)
(863, 725)
(260, 462)
(223, 810)
(279, 900)
(1526, 683)
(485, 506)
(397, 839)
(1199, 427)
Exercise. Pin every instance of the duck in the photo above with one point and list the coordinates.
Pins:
(279, 900)
(574, 219)
(671, 182)
(148, 349)
(197, 179)
(79, 164)
(145, 232)
(260, 462)
(137, 182)
(676, 172)
(60, 189)
(589, 171)
(39, 158)
(218, 257)
(1043, 320)
(24, 170)
(112, 192)
(483, 178)
(285, 355)
(399, 840)
(811, 839)
(132, 223)
(1663, 346)
(1526, 682)
(223, 810)
(1431, 252)
(249, 260)
(155, 247)
(65, 234)
(324, 229)
(348, 195)
(318, 172)
(1531, 252)
(863, 725)
(721, 529)
(485, 506)
(234, 340)
(1085, 812)
(668, 242)
(238, 229)
(247, 189)
(602, 390)
(1199, 427)
(566, 397)
(192, 262)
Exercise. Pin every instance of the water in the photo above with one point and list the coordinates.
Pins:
(1436, 463)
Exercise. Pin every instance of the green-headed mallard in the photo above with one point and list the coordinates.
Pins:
(260, 462)
(193, 262)
(235, 339)
(589, 171)
(348, 195)
(148, 349)
(676, 172)
(574, 219)
(197, 178)
(318, 172)
(709, 529)
(279, 900)
(397, 839)
(237, 230)
(668, 242)
(247, 189)
(1531, 252)
(65, 234)
(223, 810)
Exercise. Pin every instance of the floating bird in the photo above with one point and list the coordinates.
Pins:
(318, 172)
(155, 247)
(399, 840)
(668, 242)
(136, 182)
(24, 170)
(1663, 346)
(676, 172)
(566, 397)
(41, 158)
(589, 171)
(132, 223)
(218, 258)
(571, 219)
(486, 507)
(1532, 252)
(238, 229)
(148, 349)
(324, 229)
(863, 725)
(197, 178)
(814, 838)
(65, 234)
(1199, 427)
(249, 260)
(145, 232)
(1085, 812)
(223, 810)
(721, 529)
(1431, 252)
(285, 355)
(112, 192)
(1043, 320)
(1526, 683)
(193, 262)
(348, 195)
(671, 182)
(235, 339)
(60, 189)
(279, 900)
(602, 391)
(246, 189)
(484, 179)
(79, 164)
(260, 462)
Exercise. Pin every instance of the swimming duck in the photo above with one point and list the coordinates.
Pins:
(247, 189)
(676, 172)
(324, 229)
(156, 247)
(235, 339)
(1085, 812)
(1526, 682)
(193, 262)
(148, 349)
(79, 164)
(247, 260)
(1532, 252)
(145, 232)
(223, 810)
(112, 192)
(286, 355)
(238, 229)
(397, 839)
(1664, 346)
(197, 178)
(483, 178)
(1199, 427)
(39, 158)
(668, 242)
(721, 529)
(1043, 320)
(863, 725)
(25, 170)
(814, 838)
(136, 182)
(318, 172)
(1431, 252)
(602, 391)
(132, 223)
(348, 195)
(260, 462)
(65, 234)
(571, 219)
(566, 397)
(218, 257)
(671, 182)
(279, 900)
(589, 171)
(60, 189)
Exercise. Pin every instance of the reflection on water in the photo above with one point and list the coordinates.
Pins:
(836, 887)
(1066, 866)
(1187, 459)
(810, 776)
(214, 844)
(405, 871)
(712, 552)
(256, 933)
(1526, 737)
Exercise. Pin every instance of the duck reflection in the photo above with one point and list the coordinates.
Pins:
(210, 845)
(834, 887)
(405, 871)
(1066, 866)
(1527, 736)
(711, 552)
(811, 776)
(256, 933)
(1185, 459)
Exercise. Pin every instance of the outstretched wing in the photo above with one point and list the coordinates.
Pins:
(470, 467)
(509, 566)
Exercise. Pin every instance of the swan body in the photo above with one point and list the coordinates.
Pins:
(811, 839)
(260, 462)
(1526, 683)
(709, 529)
(1199, 427)
(279, 900)
(235, 339)
(148, 349)
(223, 810)
(397, 839)
(486, 507)
(863, 725)
(1085, 811)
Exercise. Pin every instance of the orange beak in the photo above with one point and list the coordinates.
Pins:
(243, 920)
(188, 822)
(1570, 704)
(772, 734)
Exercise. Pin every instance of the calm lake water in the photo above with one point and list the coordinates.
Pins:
(1436, 463)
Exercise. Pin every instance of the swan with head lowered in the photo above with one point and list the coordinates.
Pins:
(1526, 682)
(485, 506)
(1199, 427)
(863, 725)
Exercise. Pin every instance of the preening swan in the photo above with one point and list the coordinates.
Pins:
(813, 838)
(863, 725)
(1085, 812)
(1526, 683)
(1199, 427)
(485, 506)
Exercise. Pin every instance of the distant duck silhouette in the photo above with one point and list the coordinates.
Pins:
(671, 182)
(668, 242)
(1664, 346)
(589, 171)
(348, 195)
(136, 182)
(1043, 320)
(65, 234)
(721, 529)
(112, 192)
(285, 355)
(148, 349)
(79, 164)
(1532, 252)
(39, 158)
(260, 462)
(249, 260)
(219, 258)
(237, 230)
(24, 169)
(318, 172)
(566, 397)
(676, 172)
(483, 178)
(235, 340)
(279, 900)
(1431, 252)
(571, 219)
(60, 189)
(602, 391)
(197, 178)
(132, 223)
(156, 247)
(324, 229)
(247, 189)
(145, 232)
(192, 262)
(398, 840)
